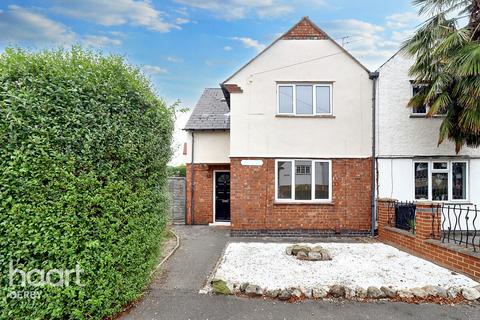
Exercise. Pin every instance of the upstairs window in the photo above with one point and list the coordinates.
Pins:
(304, 99)
(422, 110)
(416, 88)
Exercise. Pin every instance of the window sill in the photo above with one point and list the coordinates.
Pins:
(326, 116)
(424, 116)
(316, 203)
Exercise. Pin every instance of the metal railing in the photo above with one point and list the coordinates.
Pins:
(460, 224)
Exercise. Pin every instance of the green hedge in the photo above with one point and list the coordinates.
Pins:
(177, 171)
(84, 147)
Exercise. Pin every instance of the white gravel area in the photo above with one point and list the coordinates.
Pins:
(352, 265)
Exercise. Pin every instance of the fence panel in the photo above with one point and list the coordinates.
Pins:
(176, 188)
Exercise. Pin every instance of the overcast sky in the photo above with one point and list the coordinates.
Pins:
(187, 45)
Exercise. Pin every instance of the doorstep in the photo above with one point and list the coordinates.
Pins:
(220, 224)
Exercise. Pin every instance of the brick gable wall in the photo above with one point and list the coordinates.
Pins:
(305, 30)
(254, 208)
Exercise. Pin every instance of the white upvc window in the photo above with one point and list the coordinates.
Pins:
(301, 180)
(422, 110)
(304, 99)
(441, 180)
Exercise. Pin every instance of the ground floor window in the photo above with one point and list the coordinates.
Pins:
(441, 180)
(303, 180)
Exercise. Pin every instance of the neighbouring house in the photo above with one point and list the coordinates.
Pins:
(284, 146)
(411, 167)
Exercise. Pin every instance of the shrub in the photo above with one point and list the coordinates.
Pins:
(84, 147)
(177, 171)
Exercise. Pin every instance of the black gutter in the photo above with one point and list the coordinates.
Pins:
(374, 76)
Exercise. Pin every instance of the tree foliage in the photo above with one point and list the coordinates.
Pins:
(447, 63)
(84, 147)
(177, 171)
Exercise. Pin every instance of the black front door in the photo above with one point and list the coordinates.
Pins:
(222, 196)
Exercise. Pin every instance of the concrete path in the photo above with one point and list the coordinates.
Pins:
(174, 293)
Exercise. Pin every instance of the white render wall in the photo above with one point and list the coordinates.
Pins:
(257, 132)
(400, 139)
(397, 133)
(396, 179)
(210, 147)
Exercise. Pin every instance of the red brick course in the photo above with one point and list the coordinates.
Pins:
(203, 192)
(425, 242)
(305, 30)
(253, 204)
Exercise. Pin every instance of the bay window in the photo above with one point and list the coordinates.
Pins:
(304, 99)
(441, 180)
(303, 180)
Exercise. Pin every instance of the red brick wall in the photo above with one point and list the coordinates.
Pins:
(305, 30)
(254, 208)
(424, 243)
(203, 192)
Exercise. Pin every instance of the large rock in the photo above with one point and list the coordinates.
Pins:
(337, 291)
(349, 293)
(323, 252)
(303, 252)
(297, 293)
(453, 292)
(306, 292)
(389, 292)
(360, 292)
(319, 293)
(302, 255)
(236, 288)
(220, 287)
(405, 294)
(435, 291)
(470, 294)
(272, 293)
(419, 292)
(253, 290)
(296, 248)
(314, 256)
(375, 293)
(285, 294)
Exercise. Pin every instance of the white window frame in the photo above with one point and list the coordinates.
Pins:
(412, 88)
(431, 170)
(314, 98)
(427, 107)
(293, 173)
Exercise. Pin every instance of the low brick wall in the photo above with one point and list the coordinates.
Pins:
(426, 242)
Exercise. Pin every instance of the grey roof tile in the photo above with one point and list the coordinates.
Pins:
(211, 112)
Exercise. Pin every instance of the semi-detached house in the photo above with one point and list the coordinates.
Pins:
(411, 166)
(284, 145)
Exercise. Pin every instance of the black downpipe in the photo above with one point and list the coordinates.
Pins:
(374, 77)
(192, 181)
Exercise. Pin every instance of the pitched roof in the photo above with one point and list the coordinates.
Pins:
(305, 29)
(211, 112)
